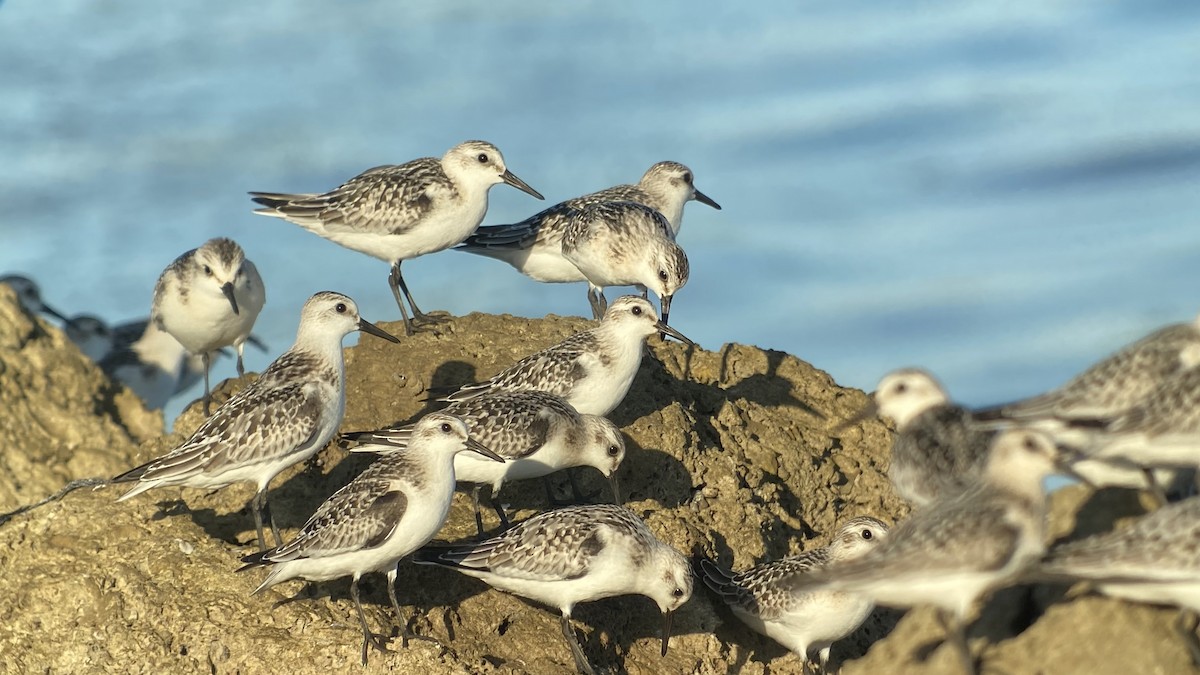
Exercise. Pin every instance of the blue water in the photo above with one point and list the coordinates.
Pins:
(1000, 193)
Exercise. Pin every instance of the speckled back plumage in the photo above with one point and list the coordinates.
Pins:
(940, 451)
(1164, 544)
(624, 226)
(271, 418)
(513, 424)
(554, 370)
(551, 546)
(1171, 408)
(387, 199)
(360, 515)
(1115, 383)
(547, 227)
(762, 590)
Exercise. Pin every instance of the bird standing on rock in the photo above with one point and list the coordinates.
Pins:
(391, 509)
(207, 299)
(536, 433)
(284, 417)
(534, 245)
(593, 369)
(399, 212)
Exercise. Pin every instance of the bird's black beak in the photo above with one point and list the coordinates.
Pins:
(47, 309)
(667, 330)
(705, 199)
(475, 446)
(666, 634)
(368, 327)
(227, 289)
(511, 178)
(616, 487)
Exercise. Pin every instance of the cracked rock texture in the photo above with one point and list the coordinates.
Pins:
(732, 454)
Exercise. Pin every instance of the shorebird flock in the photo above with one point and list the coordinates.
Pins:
(974, 478)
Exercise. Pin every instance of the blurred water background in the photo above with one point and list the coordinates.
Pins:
(1000, 192)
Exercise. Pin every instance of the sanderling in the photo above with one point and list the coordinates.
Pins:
(129, 333)
(284, 417)
(572, 555)
(1163, 430)
(1154, 560)
(30, 296)
(534, 245)
(939, 448)
(207, 299)
(592, 370)
(392, 508)
(536, 433)
(958, 549)
(801, 621)
(91, 334)
(623, 244)
(152, 365)
(396, 213)
(141, 356)
(1112, 385)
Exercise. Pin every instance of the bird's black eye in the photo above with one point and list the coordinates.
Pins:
(662, 274)
(1030, 444)
(636, 311)
(901, 388)
(613, 450)
(207, 270)
(445, 427)
(868, 535)
(340, 308)
(678, 592)
(687, 178)
(483, 158)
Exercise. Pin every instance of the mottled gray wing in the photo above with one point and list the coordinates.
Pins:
(511, 424)
(945, 440)
(390, 198)
(379, 440)
(554, 370)
(544, 225)
(1112, 385)
(257, 426)
(361, 515)
(552, 546)
(967, 532)
(617, 227)
(764, 589)
(547, 226)
(1161, 546)
(177, 268)
(126, 334)
(1171, 408)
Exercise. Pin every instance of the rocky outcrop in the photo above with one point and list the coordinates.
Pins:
(731, 454)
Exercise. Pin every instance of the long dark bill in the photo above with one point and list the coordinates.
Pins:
(666, 634)
(227, 289)
(368, 327)
(511, 178)
(667, 330)
(705, 199)
(475, 446)
(616, 487)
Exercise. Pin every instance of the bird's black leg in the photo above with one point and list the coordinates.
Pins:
(581, 662)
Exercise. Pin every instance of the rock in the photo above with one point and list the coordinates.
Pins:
(731, 454)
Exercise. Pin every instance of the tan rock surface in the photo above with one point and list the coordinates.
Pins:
(730, 455)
